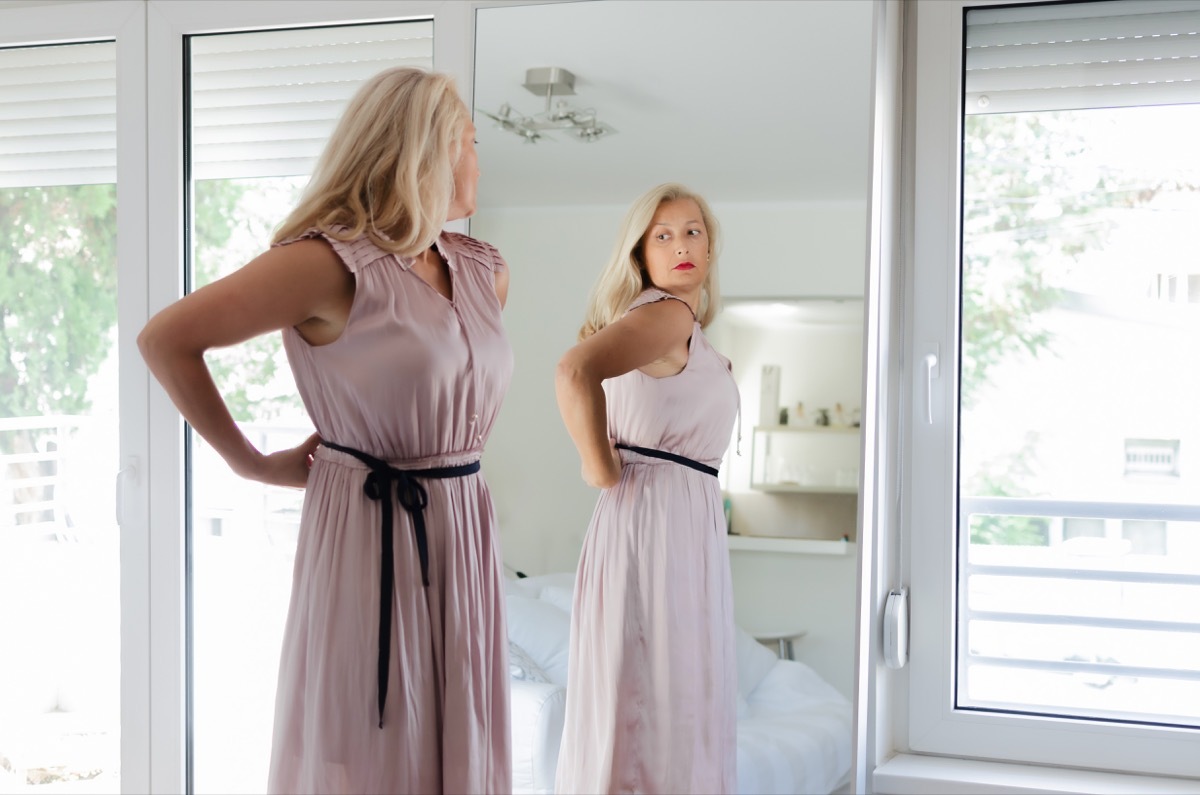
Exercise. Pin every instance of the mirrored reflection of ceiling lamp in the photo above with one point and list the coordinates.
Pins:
(551, 82)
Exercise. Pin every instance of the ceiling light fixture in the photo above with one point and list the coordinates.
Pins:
(551, 82)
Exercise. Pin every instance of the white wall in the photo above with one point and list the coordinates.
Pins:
(793, 250)
(532, 469)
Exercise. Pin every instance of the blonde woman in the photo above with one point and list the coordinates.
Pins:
(650, 405)
(393, 676)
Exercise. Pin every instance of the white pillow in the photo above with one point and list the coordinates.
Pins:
(559, 579)
(561, 598)
(519, 586)
(543, 631)
(521, 665)
(754, 662)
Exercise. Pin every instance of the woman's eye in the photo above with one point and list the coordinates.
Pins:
(694, 232)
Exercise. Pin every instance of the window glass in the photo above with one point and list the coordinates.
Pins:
(59, 541)
(1079, 557)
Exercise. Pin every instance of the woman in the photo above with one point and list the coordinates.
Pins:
(650, 405)
(393, 676)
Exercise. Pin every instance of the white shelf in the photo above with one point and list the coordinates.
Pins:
(796, 546)
(805, 429)
(796, 488)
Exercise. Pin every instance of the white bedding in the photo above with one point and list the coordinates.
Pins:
(794, 728)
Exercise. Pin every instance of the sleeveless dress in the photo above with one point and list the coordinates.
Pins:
(652, 678)
(416, 380)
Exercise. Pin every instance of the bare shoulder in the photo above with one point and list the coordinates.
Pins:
(309, 252)
(309, 267)
(663, 315)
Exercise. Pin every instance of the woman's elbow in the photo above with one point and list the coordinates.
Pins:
(148, 342)
(571, 375)
(157, 343)
(566, 370)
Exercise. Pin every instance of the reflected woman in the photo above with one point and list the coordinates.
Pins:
(650, 405)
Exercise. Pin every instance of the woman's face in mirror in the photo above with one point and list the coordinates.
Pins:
(675, 247)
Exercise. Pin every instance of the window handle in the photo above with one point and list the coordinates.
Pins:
(127, 473)
(930, 374)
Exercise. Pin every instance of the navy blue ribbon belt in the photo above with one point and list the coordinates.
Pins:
(665, 456)
(413, 498)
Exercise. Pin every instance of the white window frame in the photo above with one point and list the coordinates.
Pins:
(933, 725)
(123, 21)
(149, 44)
(168, 22)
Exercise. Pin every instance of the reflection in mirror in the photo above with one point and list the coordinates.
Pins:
(763, 108)
(793, 490)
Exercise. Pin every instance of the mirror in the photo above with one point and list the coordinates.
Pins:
(763, 108)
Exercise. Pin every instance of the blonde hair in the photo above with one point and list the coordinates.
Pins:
(625, 275)
(388, 168)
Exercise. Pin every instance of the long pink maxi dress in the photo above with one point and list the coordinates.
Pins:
(652, 678)
(415, 380)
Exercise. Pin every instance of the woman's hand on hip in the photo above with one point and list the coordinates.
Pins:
(288, 467)
(606, 473)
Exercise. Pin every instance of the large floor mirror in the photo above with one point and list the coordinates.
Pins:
(762, 107)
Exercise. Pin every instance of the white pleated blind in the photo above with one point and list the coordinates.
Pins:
(264, 103)
(1114, 53)
(58, 115)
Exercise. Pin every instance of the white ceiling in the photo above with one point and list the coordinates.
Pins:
(743, 100)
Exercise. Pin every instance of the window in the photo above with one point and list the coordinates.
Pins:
(60, 422)
(1152, 457)
(1053, 517)
(92, 508)
(262, 105)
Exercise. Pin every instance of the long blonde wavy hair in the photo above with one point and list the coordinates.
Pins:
(387, 170)
(625, 275)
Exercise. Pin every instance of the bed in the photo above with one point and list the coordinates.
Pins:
(794, 728)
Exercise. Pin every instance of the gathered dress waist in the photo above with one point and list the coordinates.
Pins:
(674, 458)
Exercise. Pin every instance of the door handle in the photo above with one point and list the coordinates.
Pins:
(127, 473)
(931, 372)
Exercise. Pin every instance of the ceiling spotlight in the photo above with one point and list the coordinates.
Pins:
(551, 82)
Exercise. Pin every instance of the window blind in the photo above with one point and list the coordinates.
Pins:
(58, 115)
(263, 104)
(1113, 53)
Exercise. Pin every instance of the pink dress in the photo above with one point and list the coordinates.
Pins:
(652, 678)
(415, 380)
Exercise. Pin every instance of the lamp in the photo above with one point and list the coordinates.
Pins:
(559, 116)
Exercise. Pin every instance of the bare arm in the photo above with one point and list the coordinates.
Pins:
(644, 337)
(303, 284)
